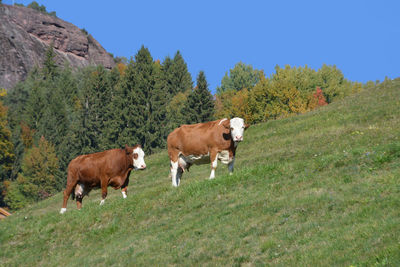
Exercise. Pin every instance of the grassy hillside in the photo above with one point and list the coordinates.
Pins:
(318, 189)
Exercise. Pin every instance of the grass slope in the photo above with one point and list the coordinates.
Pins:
(317, 189)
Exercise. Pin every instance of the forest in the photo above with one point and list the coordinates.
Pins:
(58, 113)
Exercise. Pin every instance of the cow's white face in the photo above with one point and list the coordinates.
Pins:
(237, 129)
(138, 158)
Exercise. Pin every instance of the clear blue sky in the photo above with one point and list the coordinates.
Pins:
(362, 38)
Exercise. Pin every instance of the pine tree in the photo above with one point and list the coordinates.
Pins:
(157, 130)
(129, 112)
(96, 94)
(121, 120)
(144, 82)
(110, 117)
(178, 83)
(35, 107)
(174, 108)
(16, 101)
(179, 77)
(50, 69)
(200, 103)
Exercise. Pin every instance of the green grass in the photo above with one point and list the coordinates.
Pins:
(319, 189)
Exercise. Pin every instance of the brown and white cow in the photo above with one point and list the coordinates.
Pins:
(203, 143)
(102, 169)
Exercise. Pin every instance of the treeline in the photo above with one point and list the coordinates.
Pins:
(57, 114)
(247, 93)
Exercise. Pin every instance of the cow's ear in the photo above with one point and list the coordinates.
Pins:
(227, 124)
(127, 149)
(246, 126)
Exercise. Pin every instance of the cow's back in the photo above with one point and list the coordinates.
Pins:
(195, 139)
(91, 167)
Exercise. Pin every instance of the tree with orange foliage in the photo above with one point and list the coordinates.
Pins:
(317, 99)
(121, 68)
(27, 135)
(320, 97)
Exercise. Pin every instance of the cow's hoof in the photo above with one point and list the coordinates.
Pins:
(102, 202)
(63, 210)
(124, 195)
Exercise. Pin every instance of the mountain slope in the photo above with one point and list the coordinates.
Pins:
(315, 189)
(26, 34)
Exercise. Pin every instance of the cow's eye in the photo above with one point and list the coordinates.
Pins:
(135, 155)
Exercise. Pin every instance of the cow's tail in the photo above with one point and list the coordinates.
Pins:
(70, 179)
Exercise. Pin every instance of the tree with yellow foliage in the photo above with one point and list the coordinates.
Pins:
(38, 178)
(6, 146)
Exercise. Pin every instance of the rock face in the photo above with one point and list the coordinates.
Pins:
(26, 34)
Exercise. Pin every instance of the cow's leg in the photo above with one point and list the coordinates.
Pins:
(79, 202)
(179, 175)
(124, 192)
(174, 173)
(79, 193)
(124, 187)
(214, 161)
(230, 166)
(68, 190)
(104, 185)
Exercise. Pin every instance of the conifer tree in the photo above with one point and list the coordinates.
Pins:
(179, 77)
(167, 77)
(121, 120)
(35, 105)
(139, 105)
(200, 103)
(16, 102)
(54, 126)
(46, 111)
(129, 114)
(111, 116)
(50, 69)
(174, 109)
(96, 94)
(157, 128)
(144, 80)
(178, 82)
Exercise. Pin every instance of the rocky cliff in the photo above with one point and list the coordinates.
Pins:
(26, 34)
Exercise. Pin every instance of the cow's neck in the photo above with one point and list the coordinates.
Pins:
(129, 161)
(233, 145)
